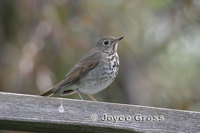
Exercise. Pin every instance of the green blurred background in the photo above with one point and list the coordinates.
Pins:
(40, 40)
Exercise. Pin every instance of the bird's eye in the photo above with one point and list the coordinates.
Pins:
(105, 42)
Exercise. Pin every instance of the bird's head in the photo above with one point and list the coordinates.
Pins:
(108, 44)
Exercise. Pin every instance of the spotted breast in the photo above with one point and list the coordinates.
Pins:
(100, 78)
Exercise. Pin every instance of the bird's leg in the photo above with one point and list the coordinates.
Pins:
(91, 97)
(77, 90)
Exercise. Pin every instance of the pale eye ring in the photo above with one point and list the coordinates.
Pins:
(105, 42)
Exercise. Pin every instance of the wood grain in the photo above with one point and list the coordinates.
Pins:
(41, 114)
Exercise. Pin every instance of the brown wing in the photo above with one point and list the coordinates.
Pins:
(84, 65)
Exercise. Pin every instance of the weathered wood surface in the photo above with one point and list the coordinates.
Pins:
(41, 114)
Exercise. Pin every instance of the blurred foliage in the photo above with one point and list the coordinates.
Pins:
(159, 56)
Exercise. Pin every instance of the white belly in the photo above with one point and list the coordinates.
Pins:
(99, 78)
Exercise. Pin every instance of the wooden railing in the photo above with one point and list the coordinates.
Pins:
(32, 113)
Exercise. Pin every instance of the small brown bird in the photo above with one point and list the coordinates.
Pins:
(94, 72)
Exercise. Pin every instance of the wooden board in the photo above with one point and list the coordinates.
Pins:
(42, 114)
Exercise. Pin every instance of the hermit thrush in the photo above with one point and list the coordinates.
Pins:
(94, 72)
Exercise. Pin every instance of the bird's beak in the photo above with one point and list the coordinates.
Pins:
(118, 39)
